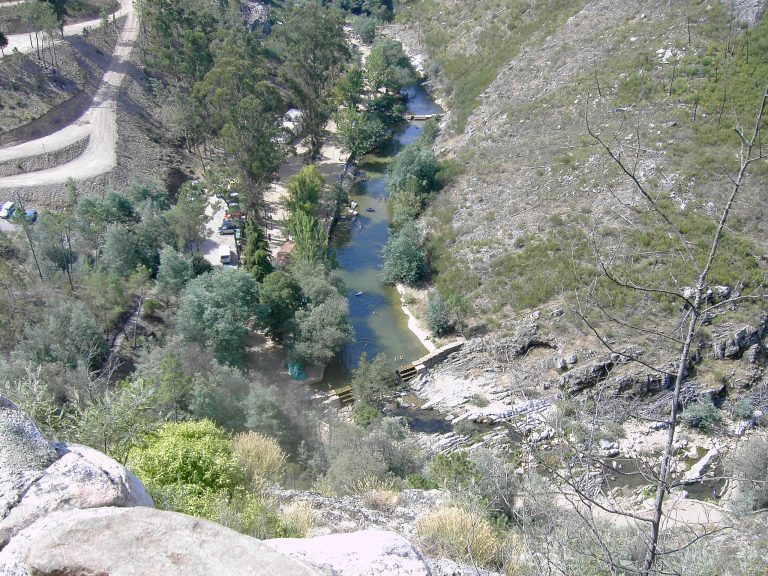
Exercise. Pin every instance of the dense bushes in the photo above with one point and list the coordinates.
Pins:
(404, 260)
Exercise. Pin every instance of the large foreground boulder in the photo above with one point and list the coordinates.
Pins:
(38, 477)
(140, 542)
(363, 553)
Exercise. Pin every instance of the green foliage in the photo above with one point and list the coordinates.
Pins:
(310, 238)
(217, 310)
(403, 258)
(243, 109)
(174, 273)
(322, 329)
(359, 458)
(256, 256)
(365, 414)
(119, 255)
(360, 132)
(452, 470)
(151, 307)
(749, 468)
(69, 335)
(194, 455)
(200, 265)
(366, 28)
(312, 46)
(282, 295)
(350, 87)
(265, 415)
(372, 381)
(388, 66)
(187, 218)
(702, 415)
(413, 164)
(438, 315)
(543, 268)
(218, 395)
(743, 409)
(304, 190)
(117, 421)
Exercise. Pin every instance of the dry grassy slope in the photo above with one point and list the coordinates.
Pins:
(535, 191)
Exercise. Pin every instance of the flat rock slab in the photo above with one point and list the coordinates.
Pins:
(140, 542)
(363, 553)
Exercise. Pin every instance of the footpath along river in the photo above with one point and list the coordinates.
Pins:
(379, 322)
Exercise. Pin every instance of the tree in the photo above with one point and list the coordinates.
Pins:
(438, 315)
(70, 335)
(256, 257)
(244, 110)
(350, 88)
(304, 190)
(217, 310)
(174, 273)
(119, 255)
(360, 132)
(371, 381)
(187, 218)
(403, 258)
(321, 330)
(140, 283)
(388, 66)
(414, 166)
(310, 238)
(314, 52)
(282, 295)
(3, 43)
(220, 395)
(695, 261)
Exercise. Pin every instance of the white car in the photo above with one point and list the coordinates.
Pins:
(6, 210)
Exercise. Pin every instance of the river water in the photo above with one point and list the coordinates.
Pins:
(374, 307)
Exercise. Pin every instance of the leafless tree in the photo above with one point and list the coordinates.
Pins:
(696, 305)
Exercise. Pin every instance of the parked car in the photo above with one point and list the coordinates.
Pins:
(6, 211)
(227, 227)
(30, 216)
(225, 256)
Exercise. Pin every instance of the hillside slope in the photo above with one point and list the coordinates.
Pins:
(540, 206)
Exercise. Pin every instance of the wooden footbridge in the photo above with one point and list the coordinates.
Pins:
(414, 117)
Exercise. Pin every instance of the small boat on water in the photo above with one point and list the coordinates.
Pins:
(359, 293)
(370, 210)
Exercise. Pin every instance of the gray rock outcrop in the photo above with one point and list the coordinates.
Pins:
(38, 477)
(140, 542)
(363, 553)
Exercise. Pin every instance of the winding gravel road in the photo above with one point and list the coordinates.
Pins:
(98, 123)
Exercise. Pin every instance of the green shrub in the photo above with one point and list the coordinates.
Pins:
(150, 308)
(743, 409)
(438, 315)
(404, 259)
(365, 414)
(453, 469)
(702, 415)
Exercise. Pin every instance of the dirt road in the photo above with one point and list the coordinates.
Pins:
(25, 42)
(98, 124)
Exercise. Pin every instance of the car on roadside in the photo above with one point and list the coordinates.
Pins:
(6, 210)
(227, 227)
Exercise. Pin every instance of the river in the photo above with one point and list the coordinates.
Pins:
(374, 307)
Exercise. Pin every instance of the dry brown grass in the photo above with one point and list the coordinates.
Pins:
(460, 534)
(261, 458)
